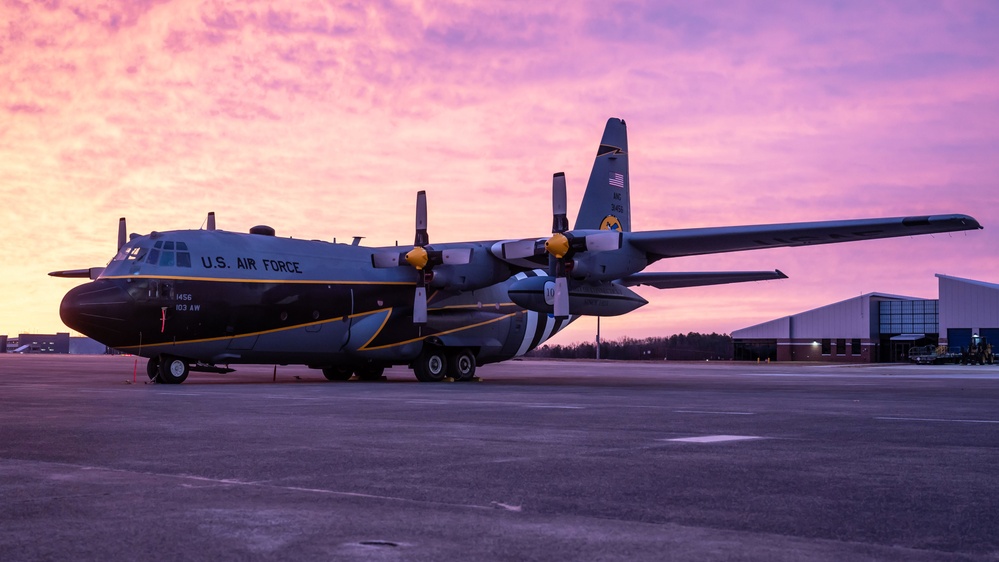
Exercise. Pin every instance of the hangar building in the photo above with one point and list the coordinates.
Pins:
(877, 327)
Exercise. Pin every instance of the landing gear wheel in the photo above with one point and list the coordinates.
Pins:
(173, 370)
(370, 372)
(153, 369)
(338, 373)
(431, 366)
(461, 365)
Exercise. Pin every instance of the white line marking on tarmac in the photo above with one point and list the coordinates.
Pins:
(714, 438)
(514, 508)
(713, 412)
(553, 406)
(935, 420)
(233, 482)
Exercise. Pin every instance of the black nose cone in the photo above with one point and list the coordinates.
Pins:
(99, 310)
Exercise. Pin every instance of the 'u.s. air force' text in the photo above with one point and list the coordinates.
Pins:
(277, 266)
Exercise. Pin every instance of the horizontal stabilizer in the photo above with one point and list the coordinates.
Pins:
(677, 280)
(89, 273)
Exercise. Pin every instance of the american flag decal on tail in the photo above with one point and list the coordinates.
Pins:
(616, 179)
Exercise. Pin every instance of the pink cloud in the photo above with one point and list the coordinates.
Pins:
(325, 120)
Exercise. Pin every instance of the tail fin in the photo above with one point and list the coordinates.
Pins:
(607, 202)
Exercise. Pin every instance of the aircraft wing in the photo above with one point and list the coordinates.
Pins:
(676, 280)
(699, 241)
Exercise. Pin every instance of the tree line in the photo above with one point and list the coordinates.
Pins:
(692, 346)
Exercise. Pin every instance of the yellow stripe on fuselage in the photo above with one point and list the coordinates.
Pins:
(364, 347)
(246, 280)
(263, 332)
(444, 333)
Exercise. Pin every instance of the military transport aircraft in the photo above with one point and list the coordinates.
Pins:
(201, 300)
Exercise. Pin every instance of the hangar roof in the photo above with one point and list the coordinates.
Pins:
(850, 318)
(969, 281)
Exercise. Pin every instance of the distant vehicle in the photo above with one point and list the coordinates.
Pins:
(933, 355)
(979, 352)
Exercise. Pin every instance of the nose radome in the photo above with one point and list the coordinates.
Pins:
(95, 309)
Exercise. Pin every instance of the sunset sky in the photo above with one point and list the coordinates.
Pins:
(323, 120)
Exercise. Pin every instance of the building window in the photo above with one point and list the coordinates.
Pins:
(841, 346)
(909, 317)
(855, 347)
(826, 346)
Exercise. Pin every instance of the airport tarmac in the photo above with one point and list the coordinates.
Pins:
(538, 461)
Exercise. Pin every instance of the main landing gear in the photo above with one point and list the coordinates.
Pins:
(436, 363)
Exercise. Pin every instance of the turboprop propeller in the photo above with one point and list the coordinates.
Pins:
(423, 258)
(562, 246)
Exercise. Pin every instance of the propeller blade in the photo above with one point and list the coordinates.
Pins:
(603, 241)
(457, 256)
(122, 237)
(560, 222)
(422, 238)
(561, 304)
(420, 305)
(386, 259)
(211, 220)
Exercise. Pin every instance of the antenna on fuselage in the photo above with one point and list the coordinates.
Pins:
(211, 220)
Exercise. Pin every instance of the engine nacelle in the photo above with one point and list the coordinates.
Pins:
(604, 267)
(482, 270)
(604, 299)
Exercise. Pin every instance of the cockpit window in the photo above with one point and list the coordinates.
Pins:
(164, 253)
(130, 253)
(169, 254)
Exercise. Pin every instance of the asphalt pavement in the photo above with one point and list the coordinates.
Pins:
(537, 461)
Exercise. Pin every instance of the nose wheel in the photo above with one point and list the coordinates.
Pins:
(153, 369)
(170, 369)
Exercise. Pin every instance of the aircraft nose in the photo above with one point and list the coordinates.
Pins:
(96, 309)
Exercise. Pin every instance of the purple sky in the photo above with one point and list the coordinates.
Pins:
(323, 121)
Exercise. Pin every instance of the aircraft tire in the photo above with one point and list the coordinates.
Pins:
(370, 372)
(338, 373)
(153, 369)
(461, 365)
(173, 370)
(431, 366)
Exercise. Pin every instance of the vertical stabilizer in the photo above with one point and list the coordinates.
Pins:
(607, 202)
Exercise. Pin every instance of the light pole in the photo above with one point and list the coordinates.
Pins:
(598, 337)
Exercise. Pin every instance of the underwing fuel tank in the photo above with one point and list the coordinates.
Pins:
(604, 299)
